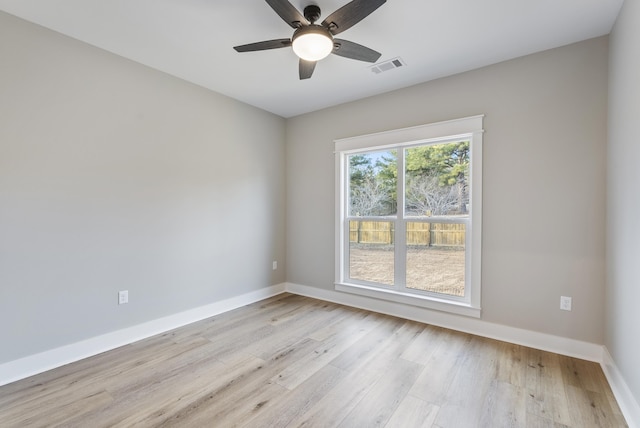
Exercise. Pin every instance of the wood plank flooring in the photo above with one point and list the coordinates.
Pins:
(292, 361)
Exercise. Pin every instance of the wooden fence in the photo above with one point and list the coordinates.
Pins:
(427, 234)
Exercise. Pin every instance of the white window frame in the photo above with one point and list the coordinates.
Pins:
(469, 128)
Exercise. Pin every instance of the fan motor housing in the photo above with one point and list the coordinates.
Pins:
(312, 13)
(312, 29)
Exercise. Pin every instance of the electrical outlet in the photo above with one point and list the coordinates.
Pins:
(275, 265)
(123, 297)
(565, 303)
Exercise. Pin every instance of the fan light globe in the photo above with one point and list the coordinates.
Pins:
(312, 43)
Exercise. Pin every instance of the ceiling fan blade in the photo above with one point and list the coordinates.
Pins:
(352, 50)
(306, 68)
(350, 14)
(288, 13)
(261, 46)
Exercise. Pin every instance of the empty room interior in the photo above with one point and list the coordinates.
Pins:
(434, 225)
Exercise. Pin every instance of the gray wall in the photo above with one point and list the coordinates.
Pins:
(623, 193)
(543, 184)
(114, 176)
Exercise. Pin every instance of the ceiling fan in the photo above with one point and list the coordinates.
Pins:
(313, 42)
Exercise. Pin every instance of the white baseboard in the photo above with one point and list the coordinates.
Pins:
(47, 360)
(627, 402)
(546, 342)
(38, 363)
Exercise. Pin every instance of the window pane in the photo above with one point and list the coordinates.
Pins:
(373, 183)
(371, 251)
(436, 257)
(437, 179)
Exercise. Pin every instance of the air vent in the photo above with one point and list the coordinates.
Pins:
(388, 65)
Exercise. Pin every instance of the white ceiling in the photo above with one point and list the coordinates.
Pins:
(193, 40)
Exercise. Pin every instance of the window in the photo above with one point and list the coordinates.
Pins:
(409, 215)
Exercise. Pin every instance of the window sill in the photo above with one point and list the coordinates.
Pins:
(457, 308)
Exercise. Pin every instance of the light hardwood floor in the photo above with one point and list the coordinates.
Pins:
(292, 361)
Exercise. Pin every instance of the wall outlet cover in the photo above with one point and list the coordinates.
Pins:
(123, 297)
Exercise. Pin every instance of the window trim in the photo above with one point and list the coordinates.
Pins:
(464, 128)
